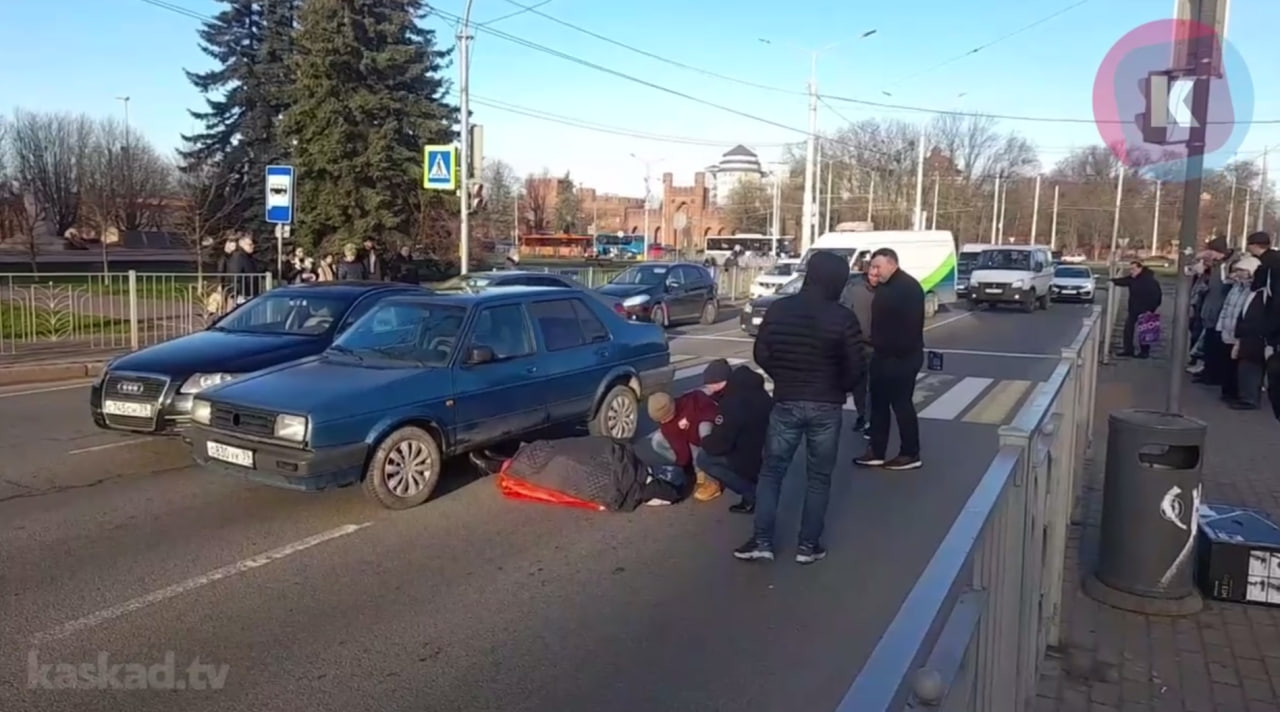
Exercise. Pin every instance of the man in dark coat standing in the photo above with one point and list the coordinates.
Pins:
(374, 268)
(897, 343)
(812, 348)
(1145, 296)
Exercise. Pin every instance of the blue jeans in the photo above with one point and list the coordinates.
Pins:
(818, 424)
(721, 470)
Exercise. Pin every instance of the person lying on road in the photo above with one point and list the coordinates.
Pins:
(732, 452)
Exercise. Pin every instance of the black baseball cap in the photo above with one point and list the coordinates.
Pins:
(1259, 238)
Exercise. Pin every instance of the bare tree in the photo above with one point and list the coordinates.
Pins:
(537, 194)
(49, 151)
(568, 207)
(747, 207)
(205, 210)
(501, 185)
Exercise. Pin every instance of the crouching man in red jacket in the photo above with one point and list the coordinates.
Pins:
(683, 422)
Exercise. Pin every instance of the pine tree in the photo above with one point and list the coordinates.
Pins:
(369, 96)
(245, 96)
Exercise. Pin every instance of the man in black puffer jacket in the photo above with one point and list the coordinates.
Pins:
(731, 452)
(812, 348)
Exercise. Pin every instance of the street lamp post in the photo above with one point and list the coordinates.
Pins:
(464, 152)
(648, 176)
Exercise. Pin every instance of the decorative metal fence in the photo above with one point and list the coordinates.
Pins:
(57, 315)
(972, 633)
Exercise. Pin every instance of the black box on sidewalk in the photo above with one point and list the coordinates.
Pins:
(1238, 555)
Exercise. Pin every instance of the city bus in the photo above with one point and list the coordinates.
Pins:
(721, 246)
(619, 246)
(563, 246)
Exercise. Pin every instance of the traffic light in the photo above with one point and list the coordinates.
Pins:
(479, 198)
(1154, 121)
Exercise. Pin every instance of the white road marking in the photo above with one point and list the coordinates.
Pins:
(713, 337)
(108, 446)
(956, 399)
(722, 335)
(1007, 354)
(944, 322)
(49, 389)
(150, 599)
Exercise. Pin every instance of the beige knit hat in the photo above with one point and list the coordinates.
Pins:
(661, 407)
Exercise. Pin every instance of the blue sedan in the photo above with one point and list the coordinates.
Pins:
(422, 378)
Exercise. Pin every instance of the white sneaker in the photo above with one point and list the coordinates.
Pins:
(657, 503)
(1196, 368)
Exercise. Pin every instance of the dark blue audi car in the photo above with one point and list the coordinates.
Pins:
(150, 390)
(421, 378)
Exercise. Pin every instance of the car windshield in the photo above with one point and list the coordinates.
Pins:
(785, 270)
(290, 314)
(647, 275)
(1005, 259)
(465, 282)
(1073, 272)
(419, 332)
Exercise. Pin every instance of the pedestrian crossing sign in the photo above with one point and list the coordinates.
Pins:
(440, 167)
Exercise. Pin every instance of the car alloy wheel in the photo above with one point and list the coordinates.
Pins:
(659, 316)
(407, 468)
(620, 417)
(709, 312)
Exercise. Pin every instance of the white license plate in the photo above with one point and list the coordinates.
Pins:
(993, 291)
(226, 453)
(755, 320)
(130, 410)
(1068, 291)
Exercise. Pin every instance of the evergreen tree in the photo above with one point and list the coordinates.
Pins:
(245, 97)
(369, 96)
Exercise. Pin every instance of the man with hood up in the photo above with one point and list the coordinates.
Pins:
(812, 348)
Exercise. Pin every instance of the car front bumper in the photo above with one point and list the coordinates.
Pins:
(1071, 294)
(749, 321)
(170, 411)
(998, 293)
(280, 465)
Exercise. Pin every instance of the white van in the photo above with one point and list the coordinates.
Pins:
(1012, 274)
(965, 262)
(927, 255)
(770, 279)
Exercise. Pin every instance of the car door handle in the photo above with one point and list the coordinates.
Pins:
(531, 369)
(602, 351)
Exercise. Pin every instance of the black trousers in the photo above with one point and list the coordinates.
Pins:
(893, 388)
(860, 393)
(1217, 358)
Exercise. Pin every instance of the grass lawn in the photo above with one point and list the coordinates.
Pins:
(19, 322)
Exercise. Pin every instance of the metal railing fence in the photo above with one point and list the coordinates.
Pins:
(972, 633)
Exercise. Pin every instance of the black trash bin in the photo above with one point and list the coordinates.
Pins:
(1146, 550)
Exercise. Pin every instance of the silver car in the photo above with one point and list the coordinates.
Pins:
(1073, 283)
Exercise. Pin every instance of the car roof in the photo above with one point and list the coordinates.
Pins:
(487, 294)
(1016, 248)
(348, 287)
(499, 273)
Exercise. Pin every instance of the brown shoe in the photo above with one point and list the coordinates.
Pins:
(868, 459)
(903, 462)
(708, 488)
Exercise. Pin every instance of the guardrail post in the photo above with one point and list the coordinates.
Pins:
(1014, 596)
(133, 310)
(591, 276)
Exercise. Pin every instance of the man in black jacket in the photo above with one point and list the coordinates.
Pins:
(731, 452)
(812, 349)
(1145, 296)
(897, 343)
(372, 259)
(403, 268)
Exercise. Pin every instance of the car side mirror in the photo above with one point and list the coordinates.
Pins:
(477, 355)
(671, 285)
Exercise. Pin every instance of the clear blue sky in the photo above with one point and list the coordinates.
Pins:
(78, 55)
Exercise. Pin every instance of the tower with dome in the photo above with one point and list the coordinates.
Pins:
(738, 164)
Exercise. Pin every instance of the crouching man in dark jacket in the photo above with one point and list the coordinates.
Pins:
(732, 452)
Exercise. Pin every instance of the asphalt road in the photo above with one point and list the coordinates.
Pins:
(115, 546)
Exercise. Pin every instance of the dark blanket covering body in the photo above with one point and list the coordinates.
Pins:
(595, 469)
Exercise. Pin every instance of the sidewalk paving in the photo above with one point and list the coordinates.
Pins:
(1224, 659)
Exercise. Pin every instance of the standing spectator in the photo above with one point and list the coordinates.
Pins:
(1145, 297)
(897, 343)
(352, 268)
(858, 296)
(402, 267)
(1217, 355)
(373, 266)
(326, 268)
(1240, 278)
(812, 349)
(244, 271)
(1199, 287)
(299, 268)
(1243, 325)
(1267, 279)
(731, 451)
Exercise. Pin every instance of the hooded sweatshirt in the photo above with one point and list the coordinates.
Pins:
(739, 431)
(810, 345)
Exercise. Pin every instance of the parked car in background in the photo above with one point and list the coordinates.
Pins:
(150, 390)
(753, 311)
(1073, 283)
(666, 293)
(422, 378)
(519, 278)
(774, 277)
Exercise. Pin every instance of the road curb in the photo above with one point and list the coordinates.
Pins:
(49, 373)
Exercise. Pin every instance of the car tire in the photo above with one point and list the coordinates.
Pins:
(1044, 302)
(409, 448)
(1029, 304)
(710, 312)
(618, 416)
(974, 305)
(659, 316)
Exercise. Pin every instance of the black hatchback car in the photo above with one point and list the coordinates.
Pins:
(753, 312)
(150, 390)
(666, 293)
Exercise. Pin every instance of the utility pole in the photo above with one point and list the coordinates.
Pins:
(934, 215)
(1244, 224)
(1231, 207)
(871, 199)
(515, 221)
(1155, 224)
(1112, 264)
(995, 211)
(817, 185)
(128, 181)
(1004, 204)
(831, 174)
(1035, 211)
(806, 229)
(1262, 193)
(464, 152)
(1053, 230)
(648, 199)
(917, 223)
(1202, 53)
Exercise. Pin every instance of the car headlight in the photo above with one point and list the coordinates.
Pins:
(636, 300)
(291, 427)
(1018, 284)
(748, 308)
(201, 411)
(201, 381)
